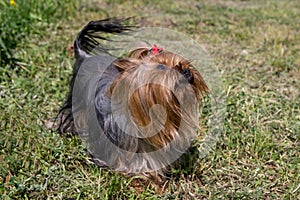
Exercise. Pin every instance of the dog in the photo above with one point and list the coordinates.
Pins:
(144, 102)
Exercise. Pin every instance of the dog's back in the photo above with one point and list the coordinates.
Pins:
(87, 44)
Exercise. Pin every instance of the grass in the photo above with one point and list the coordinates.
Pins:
(254, 44)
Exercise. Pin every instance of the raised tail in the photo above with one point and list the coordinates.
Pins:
(87, 41)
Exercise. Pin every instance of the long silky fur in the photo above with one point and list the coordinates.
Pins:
(122, 77)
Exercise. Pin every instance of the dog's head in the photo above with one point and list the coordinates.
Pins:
(161, 92)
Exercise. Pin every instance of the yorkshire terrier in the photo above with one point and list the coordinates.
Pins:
(145, 101)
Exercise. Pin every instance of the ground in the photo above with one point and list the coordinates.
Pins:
(254, 44)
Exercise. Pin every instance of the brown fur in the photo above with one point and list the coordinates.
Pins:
(151, 94)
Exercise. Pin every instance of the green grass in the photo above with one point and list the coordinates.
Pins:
(255, 44)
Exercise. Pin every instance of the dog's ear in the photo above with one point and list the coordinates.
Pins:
(139, 53)
(125, 64)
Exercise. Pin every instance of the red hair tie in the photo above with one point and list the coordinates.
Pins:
(155, 49)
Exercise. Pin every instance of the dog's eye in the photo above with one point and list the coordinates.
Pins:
(188, 75)
(185, 72)
(161, 67)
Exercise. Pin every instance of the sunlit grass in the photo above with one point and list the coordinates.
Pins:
(254, 44)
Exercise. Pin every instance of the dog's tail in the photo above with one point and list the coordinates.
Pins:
(87, 42)
(86, 45)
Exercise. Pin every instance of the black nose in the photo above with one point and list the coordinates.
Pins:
(161, 67)
(188, 75)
